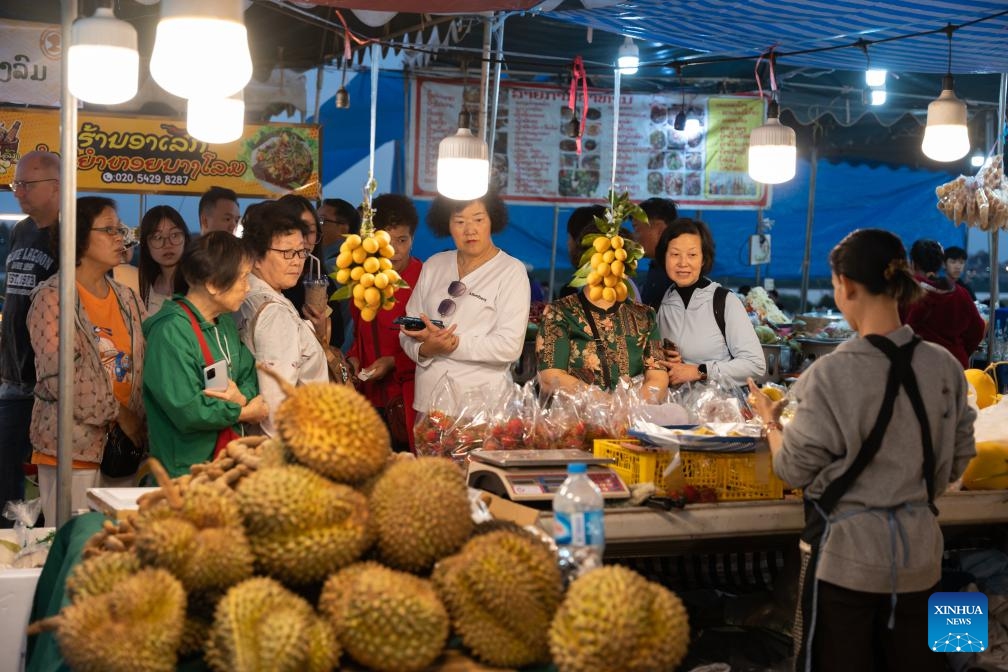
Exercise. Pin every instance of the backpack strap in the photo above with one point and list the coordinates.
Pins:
(720, 295)
(199, 333)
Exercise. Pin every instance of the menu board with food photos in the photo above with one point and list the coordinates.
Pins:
(535, 144)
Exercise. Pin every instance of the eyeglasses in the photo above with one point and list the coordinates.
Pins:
(24, 184)
(300, 253)
(158, 241)
(113, 231)
(455, 289)
(334, 222)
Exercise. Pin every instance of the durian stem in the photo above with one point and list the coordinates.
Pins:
(165, 481)
(287, 388)
(45, 625)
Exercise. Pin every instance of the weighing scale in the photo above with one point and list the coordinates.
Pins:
(535, 475)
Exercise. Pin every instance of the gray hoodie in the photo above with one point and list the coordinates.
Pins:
(838, 400)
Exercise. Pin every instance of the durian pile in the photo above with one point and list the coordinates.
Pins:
(364, 265)
(609, 260)
(319, 548)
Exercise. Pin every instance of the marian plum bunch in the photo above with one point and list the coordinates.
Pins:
(609, 259)
(364, 265)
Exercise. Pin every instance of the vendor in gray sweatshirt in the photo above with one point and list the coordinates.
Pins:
(871, 467)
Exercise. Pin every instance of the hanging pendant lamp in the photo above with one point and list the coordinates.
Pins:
(628, 57)
(201, 48)
(103, 62)
(216, 120)
(773, 151)
(946, 137)
(463, 169)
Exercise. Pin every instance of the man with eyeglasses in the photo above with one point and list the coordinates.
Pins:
(31, 259)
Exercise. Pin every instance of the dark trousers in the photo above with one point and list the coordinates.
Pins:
(851, 633)
(15, 449)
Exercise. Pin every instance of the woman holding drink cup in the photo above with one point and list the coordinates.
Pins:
(270, 325)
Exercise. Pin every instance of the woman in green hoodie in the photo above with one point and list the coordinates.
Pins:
(184, 418)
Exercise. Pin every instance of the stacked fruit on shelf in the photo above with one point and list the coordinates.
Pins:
(609, 259)
(364, 266)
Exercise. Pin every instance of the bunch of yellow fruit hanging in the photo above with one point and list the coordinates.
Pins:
(364, 266)
(609, 260)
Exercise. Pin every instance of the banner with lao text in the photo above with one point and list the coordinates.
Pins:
(30, 63)
(536, 159)
(156, 155)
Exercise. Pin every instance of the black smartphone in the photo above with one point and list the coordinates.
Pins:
(415, 323)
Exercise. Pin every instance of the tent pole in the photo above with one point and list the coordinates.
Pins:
(809, 220)
(67, 285)
(553, 248)
(995, 264)
(759, 230)
(485, 77)
(495, 93)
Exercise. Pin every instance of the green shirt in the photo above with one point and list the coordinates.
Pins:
(627, 330)
(183, 422)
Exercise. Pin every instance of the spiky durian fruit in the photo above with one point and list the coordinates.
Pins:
(134, 627)
(100, 573)
(302, 526)
(612, 618)
(502, 590)
(260, 625)
(197, 536)
(333, 429)
(420, 510)
(385, 619)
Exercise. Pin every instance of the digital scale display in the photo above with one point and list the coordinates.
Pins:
(535, 476)
(549, 483)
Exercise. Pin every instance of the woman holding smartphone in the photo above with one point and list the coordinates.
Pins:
(184, 416)
(481, 294)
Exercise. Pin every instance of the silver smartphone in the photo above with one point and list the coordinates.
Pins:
(215, 376)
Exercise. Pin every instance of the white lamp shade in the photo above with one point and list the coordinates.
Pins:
(946, 137)
(201, 48)
(216, 120)
(692, 127)
(875, 76)
(773, 153)
(103, 65)
(878, 96)
(628, 58)
(373, 18)
(463, 170)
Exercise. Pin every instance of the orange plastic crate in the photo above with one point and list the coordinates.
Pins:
(733, 476)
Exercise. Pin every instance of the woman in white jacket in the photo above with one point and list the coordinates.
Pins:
(708, 326)
(481, 295)
(269, 324)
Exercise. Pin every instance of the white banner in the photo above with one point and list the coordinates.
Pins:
(30, 56)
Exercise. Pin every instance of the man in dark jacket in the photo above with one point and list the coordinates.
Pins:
(660, 212)
(32, 258)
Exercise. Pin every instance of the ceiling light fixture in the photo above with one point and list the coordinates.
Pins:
(679, 123)
(104, 64)
(463, 169)
(216, 120)
(875, 77)
(878, 96)
(773, 152)
(342, 97)
(978, 160)
(201, 48)
(628, 57)
(946, 137)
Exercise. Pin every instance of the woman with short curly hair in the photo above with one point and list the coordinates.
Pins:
(478, 291)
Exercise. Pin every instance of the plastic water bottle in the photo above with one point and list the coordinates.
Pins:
(577, 523)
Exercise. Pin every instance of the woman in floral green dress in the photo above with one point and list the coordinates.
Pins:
(583, 342)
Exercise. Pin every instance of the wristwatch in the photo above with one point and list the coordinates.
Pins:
(702, 368)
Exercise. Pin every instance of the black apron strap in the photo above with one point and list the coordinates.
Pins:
(816, 511)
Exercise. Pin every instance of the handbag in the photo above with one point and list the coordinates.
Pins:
(228, 434)
(121, 456)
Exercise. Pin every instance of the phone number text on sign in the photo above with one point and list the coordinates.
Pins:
(109, 177)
